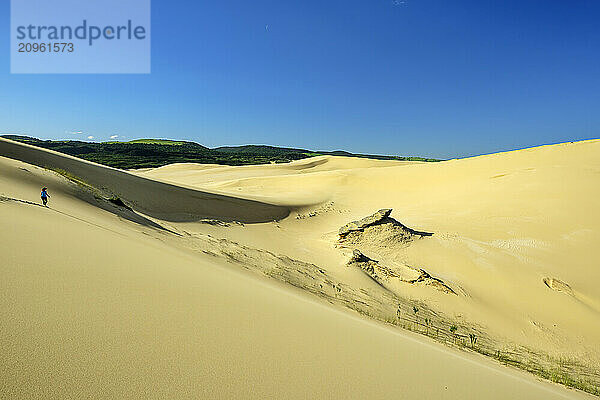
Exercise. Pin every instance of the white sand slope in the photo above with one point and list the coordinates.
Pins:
(97, 302)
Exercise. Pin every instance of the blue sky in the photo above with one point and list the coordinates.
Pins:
(419, 77)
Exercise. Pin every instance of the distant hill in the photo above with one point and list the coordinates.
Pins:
(259, 149)
(272, 150)
(151, 153)
(160, 141)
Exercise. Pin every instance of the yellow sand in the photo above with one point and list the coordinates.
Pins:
(99, 302)
(501, 223)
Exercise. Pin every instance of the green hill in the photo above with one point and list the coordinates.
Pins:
(151, 153)
(158, 141)
(259, 149)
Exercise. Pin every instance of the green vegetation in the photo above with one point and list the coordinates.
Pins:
(259, 149)
(97, 193)
(156, 141)
(565, 371)
(151, 153)
(473, 339)
(69, 176)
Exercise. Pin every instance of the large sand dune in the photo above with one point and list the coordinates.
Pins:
(504, 224)
(96, 304)
(161, 200)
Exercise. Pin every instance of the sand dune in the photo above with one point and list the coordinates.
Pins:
(157, 199)
(292, 183)
(157, 302)
(504, 225)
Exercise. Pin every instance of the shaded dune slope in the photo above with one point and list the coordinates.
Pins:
(156, 199)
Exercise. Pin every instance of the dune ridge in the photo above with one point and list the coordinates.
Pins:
(157, 199)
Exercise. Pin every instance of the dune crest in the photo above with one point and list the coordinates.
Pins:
(156, 199)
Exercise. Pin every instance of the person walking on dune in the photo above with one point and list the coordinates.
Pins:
(44, 195)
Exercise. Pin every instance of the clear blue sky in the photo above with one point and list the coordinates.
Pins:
(420, 77)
